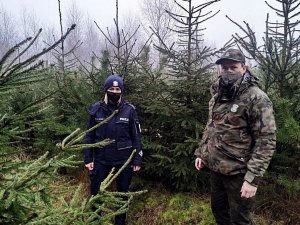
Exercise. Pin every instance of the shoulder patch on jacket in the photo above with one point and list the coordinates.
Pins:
(132, 106)
(93, 108)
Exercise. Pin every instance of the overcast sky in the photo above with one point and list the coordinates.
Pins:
(219, 29)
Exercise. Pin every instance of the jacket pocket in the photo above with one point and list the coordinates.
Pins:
(122, 125)
(124, 145)
(240, 157)
(122, 130)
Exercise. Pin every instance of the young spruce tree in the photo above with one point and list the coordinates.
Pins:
(176, 120)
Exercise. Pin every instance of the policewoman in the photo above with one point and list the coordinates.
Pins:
(124, 128)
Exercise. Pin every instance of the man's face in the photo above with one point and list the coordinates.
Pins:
(229, 65)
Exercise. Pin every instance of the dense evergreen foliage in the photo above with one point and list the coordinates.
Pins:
(37, 111)
(175, 97)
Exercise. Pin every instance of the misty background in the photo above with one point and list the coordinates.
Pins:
(22, 19)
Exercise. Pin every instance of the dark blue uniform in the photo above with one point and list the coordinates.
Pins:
(124, 128)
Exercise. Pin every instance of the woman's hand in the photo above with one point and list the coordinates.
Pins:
(90, 166)
(136, 168)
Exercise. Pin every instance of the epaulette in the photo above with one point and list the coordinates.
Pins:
(94, 108)
(128, 103)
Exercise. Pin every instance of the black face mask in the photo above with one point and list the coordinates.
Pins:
(226, 85)
(113, 98)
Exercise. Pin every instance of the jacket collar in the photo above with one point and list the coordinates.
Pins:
(111, 108)
(243, 83)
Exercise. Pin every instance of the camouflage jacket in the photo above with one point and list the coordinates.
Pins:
(240, 134)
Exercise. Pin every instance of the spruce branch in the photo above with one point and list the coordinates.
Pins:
(111, 178)
(24, 50)
(11, 51)
(77, 136)
(9, 72)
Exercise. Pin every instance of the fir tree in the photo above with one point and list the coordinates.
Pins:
(278, 60)
(121, 45)
(176, 116)
(278, 56)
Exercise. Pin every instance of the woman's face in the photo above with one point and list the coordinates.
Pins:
(114, 90)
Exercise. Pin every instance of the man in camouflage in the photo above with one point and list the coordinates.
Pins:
(238, 141)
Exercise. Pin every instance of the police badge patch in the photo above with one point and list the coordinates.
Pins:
(234, 108)
(141, 153)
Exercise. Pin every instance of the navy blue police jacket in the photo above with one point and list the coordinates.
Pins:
(124, 128)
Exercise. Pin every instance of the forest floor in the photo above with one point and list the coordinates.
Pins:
(160, 206)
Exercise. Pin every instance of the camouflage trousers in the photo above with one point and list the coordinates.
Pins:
(227, 205)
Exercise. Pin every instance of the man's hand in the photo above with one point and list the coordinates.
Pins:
(199, 163)
(136, 168)
(248, 190)
(90, 166)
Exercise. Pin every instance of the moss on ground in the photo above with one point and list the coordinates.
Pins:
(161, 207)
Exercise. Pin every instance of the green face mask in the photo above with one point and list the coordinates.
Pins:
(227, 79)
(226, 83)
